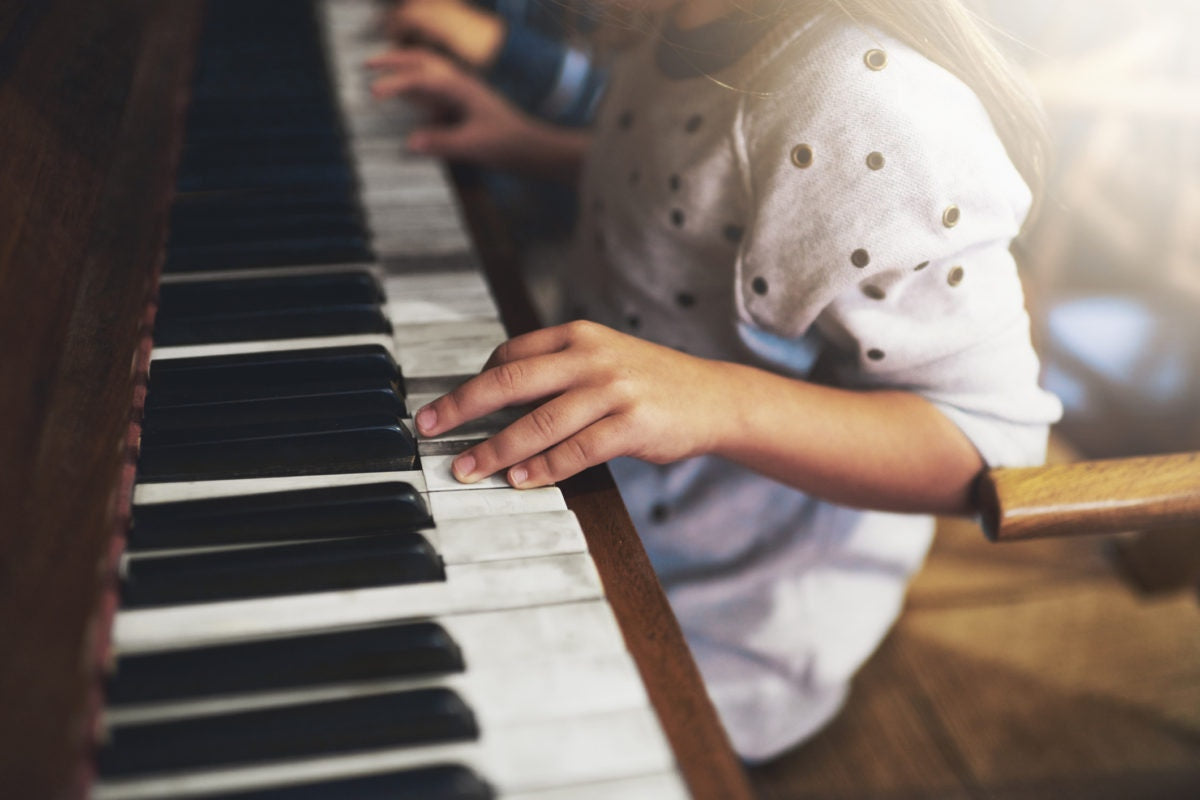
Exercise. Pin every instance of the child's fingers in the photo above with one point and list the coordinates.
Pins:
(602, 441)
(493, 389)
(528, 345)
(542, 428)
(397, 58)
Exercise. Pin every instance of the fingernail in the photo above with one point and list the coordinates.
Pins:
(517, 475)
(464, 466)
(426, 419)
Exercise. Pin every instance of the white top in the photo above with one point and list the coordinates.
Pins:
(794, 201)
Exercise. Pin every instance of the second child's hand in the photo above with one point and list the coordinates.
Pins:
(471, 122)
(602, 394)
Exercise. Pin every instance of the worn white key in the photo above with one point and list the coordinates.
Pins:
(439, 478)
(269, 346)
(475, 539)
(271, 272)
(150, 493)
(513, 583)
(446, 505)
(516, 758)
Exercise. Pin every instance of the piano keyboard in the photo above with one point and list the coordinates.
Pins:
(311, 605)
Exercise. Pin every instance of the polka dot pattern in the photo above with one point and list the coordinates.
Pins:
(759, 285)
(875, 161)
(693, 124)
(803, 156)
(677, 218)
(860, 258)
(956, 276)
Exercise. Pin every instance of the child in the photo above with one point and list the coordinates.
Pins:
(794, 250)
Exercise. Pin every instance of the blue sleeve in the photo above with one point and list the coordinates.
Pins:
(547, 77)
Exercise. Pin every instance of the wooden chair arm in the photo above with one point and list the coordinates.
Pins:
(1106, 496)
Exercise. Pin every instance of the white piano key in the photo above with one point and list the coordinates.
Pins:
(269, 345)
(271, 272)
(150, 493)
(660, 786)
(467, 333)
(525, 634)
(514, 583)
(412, 303)
(476, 539)
(499, 694)
(430, 242)
(447, 505)
(439, 478)
(516, 758)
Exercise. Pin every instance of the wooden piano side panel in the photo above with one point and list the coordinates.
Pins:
(89, 122)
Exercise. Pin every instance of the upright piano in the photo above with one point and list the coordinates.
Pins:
(228, 568)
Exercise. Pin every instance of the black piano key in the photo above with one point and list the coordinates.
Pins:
(280, 253)
(244, 376)
(365, 444)
(381, 400)
(249, 148)
(326, 512)
(285, 225)
(284, 323)
(213, 210)
(439, 782)
(271, 177)
(319, 659)
(182, 396)
(323, 566)
(206, 298)
(238, 430)
(423, 716)
(267, 176)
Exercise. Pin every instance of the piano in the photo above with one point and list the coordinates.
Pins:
(228, 567)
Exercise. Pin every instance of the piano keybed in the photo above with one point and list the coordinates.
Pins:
(493, 667)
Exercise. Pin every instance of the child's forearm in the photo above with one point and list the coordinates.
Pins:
(551, 151)
(604, 394)
(887, 450)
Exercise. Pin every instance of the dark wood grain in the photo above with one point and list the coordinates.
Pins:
(652, 634)
(87, 122)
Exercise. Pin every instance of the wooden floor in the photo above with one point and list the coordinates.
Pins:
(1023, 670)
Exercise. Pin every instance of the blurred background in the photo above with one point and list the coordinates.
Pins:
(1113, 262)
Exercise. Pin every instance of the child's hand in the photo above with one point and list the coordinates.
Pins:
(471, 121)
(468, 33)
(477, 124)
(605, 394)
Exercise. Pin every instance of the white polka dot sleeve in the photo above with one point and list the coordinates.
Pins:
(883, 209)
